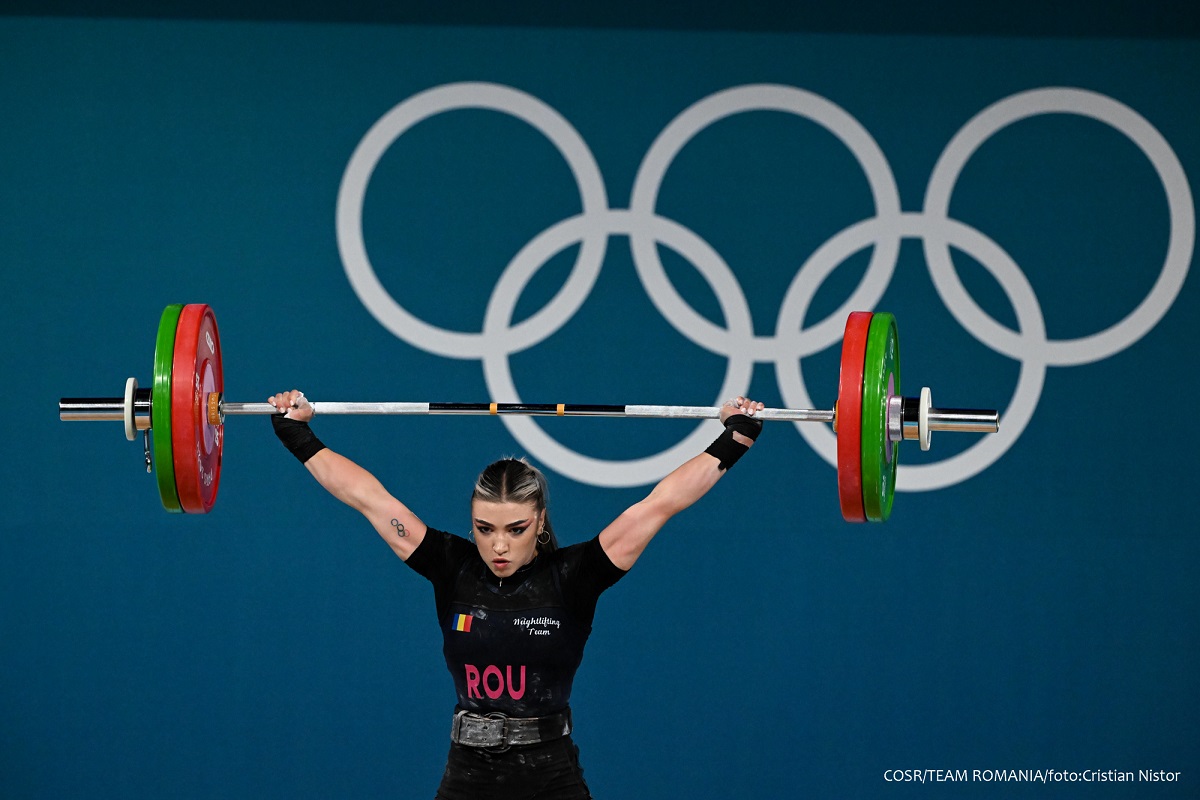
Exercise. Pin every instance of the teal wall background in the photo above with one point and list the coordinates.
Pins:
(1039, 615)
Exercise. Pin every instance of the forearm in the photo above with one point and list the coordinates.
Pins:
(340, 476)
(625, 539)
(346, 480)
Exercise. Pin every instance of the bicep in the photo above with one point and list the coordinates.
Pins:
(362, 491)
(626, 537)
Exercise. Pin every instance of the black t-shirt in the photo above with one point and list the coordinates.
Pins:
(513, 645)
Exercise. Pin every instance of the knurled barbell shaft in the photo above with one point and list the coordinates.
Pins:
(92, 409)
(326, 407)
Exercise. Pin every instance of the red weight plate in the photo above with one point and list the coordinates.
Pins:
(849, 416)
(195, 374)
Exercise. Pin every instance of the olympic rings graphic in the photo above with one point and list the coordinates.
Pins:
(646, 229)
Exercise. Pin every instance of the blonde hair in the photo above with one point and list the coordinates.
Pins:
(515, 480)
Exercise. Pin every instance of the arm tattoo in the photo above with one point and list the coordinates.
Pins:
(399, 528)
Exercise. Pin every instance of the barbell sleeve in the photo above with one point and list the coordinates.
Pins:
(964, 420)
(91, 409)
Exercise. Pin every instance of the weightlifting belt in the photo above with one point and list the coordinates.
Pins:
(497, 731)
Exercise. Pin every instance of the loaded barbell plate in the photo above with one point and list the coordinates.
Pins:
(881, 382)
(849, 416)
(196, 373)
(160, 407)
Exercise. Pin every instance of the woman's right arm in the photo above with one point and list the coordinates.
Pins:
(344, 479)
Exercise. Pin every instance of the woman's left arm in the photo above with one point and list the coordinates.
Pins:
(625, 539)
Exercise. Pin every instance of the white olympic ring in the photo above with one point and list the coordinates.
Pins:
(646, 230)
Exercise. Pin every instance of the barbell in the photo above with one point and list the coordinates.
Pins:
(186, 409)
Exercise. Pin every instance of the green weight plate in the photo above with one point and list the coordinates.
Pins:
(881, 382)
(160, 407)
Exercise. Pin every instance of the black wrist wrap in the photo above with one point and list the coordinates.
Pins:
(296, 437)
(725, 448)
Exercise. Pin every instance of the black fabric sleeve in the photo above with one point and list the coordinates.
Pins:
(439, 556)
(587, 572)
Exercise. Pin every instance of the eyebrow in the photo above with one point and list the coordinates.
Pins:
(517, 524)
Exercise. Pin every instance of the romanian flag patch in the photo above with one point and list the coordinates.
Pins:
(462, 622)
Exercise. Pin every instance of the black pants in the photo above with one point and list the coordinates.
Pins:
(544, 771)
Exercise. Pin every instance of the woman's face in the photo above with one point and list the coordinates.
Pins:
(506, 534)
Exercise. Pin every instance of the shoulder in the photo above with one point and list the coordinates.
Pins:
(439, 551)
(587, 560)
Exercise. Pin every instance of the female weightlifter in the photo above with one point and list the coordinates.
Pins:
(515, 609)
